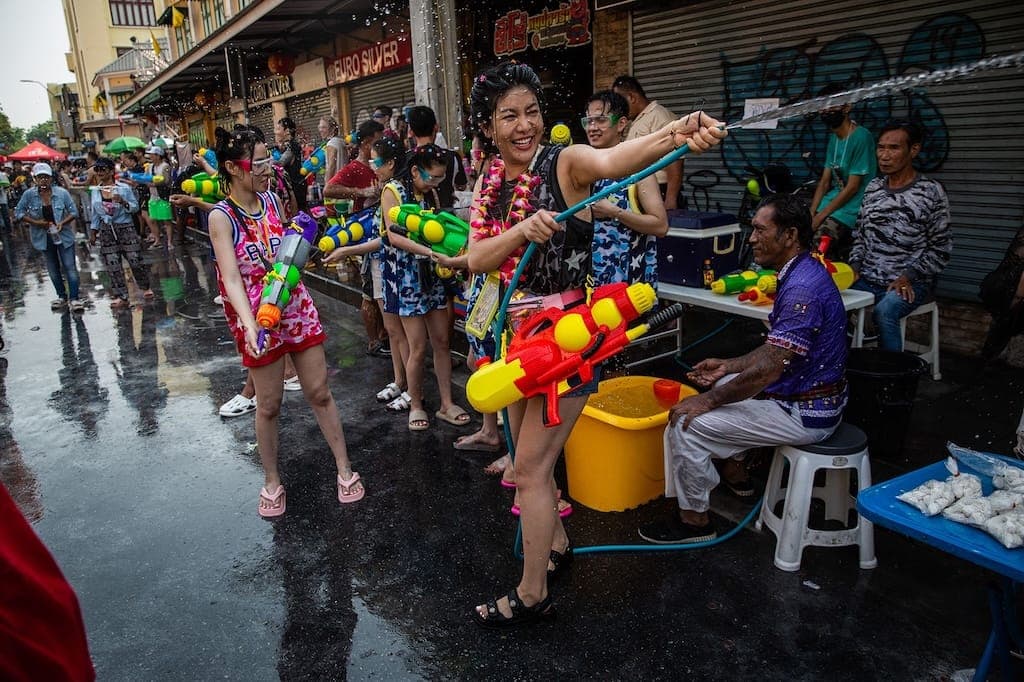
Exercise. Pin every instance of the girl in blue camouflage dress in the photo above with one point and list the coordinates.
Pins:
(628, 222)
(412, 289)
(386, 158)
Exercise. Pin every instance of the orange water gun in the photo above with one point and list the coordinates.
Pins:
(555, 345)
(755, 296)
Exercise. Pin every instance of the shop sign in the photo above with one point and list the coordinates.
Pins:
(268, 88)
(389, 55)
(568, 25)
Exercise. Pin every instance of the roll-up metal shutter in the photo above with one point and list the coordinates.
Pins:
(306, 111)
(263, 118)
(224, 119)
(791, 49)
(394, 90)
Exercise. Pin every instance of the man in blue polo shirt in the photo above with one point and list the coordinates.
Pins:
(791, 390)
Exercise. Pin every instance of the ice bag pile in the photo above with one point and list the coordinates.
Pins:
(959, 498)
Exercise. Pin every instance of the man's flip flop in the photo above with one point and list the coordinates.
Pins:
(277, 502)
(345, 492)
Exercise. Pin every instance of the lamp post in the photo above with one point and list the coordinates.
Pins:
(53, 135)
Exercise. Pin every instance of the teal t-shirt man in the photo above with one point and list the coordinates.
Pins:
(850, 164)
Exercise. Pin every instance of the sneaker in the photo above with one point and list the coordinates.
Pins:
(57, 304)
(218, 300)
(292, 384)
(381, 349)
(77, 306)
(238, 406)
(672, 531)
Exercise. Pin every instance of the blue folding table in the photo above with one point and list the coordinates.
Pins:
(879, 505)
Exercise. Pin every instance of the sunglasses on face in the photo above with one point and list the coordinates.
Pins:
(255, 166)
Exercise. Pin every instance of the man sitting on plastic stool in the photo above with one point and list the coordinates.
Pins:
(789, 391)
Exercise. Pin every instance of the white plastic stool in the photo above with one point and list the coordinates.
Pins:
(929, 353)
(844, 450)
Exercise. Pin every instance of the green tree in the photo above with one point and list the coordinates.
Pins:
(41, 132)
(11, 138)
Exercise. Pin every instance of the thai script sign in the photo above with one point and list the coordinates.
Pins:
(568, 25)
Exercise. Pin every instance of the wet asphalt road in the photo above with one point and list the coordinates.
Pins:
(110, 441)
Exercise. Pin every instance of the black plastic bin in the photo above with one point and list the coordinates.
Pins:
(882, 389)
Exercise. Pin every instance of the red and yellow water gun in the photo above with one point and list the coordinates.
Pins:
(554, 345)
(842, 274)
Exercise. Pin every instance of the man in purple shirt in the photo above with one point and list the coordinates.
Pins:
(791, 390)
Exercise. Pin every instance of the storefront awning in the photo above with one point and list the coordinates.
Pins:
(152, 97)
(256, 31)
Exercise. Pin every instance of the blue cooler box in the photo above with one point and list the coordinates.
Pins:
(693, 237)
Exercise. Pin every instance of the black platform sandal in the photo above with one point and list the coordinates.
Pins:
(561, 562)
(521, 614)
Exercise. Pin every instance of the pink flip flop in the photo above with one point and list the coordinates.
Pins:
(345, 485)
(565, 512)
(507, 484)
(277, 500)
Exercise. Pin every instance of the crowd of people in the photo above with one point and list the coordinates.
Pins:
(894, 230)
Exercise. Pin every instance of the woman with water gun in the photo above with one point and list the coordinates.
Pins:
(246, 231)
(514, 204)
(412, 289)
(385, 157)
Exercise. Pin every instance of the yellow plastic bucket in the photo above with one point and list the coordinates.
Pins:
(613, 457)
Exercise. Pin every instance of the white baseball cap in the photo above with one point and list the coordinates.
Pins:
(155, 150)
(42, 169)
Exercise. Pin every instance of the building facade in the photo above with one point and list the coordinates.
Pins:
(99, 32)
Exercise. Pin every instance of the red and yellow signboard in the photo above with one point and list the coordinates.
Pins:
(568, 25)
(387, 55)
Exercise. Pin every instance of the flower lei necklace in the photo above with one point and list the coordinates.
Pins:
(487, 221)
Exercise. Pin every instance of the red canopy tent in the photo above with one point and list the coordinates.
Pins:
(37, 151)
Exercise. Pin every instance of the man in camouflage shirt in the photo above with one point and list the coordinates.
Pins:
(903, 238)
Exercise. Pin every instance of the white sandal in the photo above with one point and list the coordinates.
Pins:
(389, 393)
(238, 406)
(292, 384)
(400, 404)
